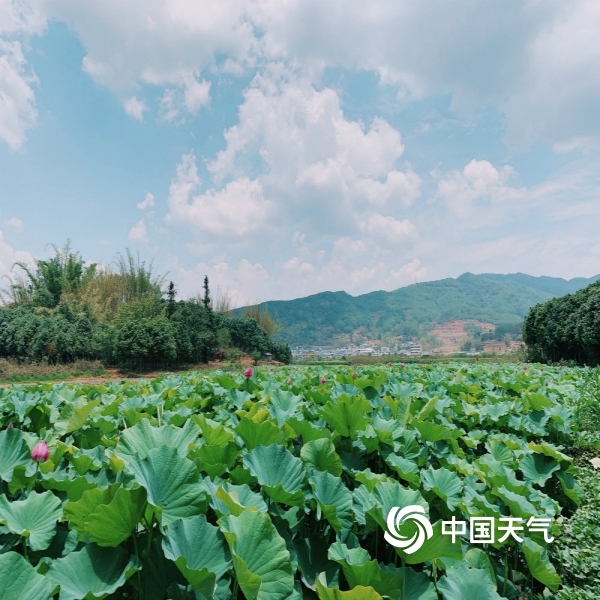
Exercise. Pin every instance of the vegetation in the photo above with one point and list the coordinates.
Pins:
(412, 311)
(284, 480)
(63, 311)
(566, 328)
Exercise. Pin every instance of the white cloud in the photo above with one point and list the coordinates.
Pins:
(319, 168)
(147, 202)
(138, 233)
(135, 108)
(14, 224)
(480, 190)
(17, 97)
(9, 256)
(533, 61)
(235, 211)
(20, 17)
(390, 230)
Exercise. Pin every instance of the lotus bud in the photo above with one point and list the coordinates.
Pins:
(389, 364)
(354, 375)
(40, 453)
(323, 381)
(288, 380)
(248, 373)
(402, 365)
(525, 368)
(10, 425)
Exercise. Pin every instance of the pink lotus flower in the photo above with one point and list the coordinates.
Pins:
(524, 368)
(248, 373)
(402, 365)
(389, 364)
(323, 381)
(354, 375)
(40, 452)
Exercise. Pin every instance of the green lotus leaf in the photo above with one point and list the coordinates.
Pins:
(431, 432)
(215, 460)
(200, 552)
(405, 469)
(113, 523)
(518, 506)
(279, 472)
(213, 433)
(92, 572)
(388, 494)
(465, 583)
(20, 581)
(552, 452)
(137, 442)
(478, 559)
(387, 580)
(77, 512)
(312, 560)
(321, 455)
(438, 546)
(538, 401)
(387, 430)
(75, 415)
(261, 560)
(500, 452)
(347, 414)
(236, 498)
(259, 432)
(538, 468)
(539, 565)
(13, 451)
(34, 518)
(370, 479)
(334, 498)
(283, 404)
(171, 482)
(308, 432)
(570, 487)
(358, 593)
(444, 484)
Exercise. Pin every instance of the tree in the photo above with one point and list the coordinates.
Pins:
(171, 294)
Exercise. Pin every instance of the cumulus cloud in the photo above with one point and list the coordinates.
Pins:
(478, 189)
(535, 62)
(14, 224)
(147, 202)
(135, 108)
(319, 167)
(234, 211)
(9, 256)
(138, 233)
(18, 112)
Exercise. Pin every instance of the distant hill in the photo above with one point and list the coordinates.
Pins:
(413, 310)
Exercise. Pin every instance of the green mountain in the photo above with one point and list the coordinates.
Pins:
(412, 310)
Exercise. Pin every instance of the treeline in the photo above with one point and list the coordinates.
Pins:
(565, 328)
(63, 310)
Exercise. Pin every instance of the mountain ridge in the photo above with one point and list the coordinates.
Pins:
(410, 311)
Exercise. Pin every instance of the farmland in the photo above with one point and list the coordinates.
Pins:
(279, 484)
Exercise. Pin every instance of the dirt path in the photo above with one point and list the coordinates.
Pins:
(111, 375)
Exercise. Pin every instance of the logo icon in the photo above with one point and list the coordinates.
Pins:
(397, 517)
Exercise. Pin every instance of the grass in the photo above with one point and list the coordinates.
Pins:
(577, 552)
(16, 372)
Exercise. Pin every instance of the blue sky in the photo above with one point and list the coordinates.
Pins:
(289, 147)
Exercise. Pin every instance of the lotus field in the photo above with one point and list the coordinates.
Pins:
(278, 484)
